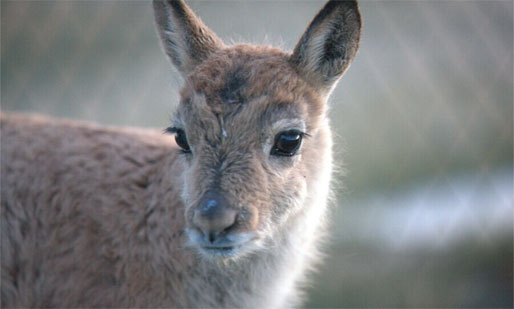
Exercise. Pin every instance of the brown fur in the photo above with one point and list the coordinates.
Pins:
(104, 217)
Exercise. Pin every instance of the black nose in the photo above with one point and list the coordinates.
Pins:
(214, 215)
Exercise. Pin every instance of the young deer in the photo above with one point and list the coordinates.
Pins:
(102, 217)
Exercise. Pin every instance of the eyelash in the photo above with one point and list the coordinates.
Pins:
(180, 139)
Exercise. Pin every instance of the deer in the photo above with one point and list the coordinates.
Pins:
(227, 210)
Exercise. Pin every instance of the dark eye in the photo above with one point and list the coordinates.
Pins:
(287, 143)
(180, 138)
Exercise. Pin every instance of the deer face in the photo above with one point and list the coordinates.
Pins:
(251, 125)
(245, 125)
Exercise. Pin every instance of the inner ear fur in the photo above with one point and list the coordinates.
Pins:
(184, 37)
(329, 44)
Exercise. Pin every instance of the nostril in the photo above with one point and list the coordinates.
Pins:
(212, 237)
(214, 217)
(229, 228)
(214, 226)
(229, 221)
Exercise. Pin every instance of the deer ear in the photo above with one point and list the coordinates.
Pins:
(329, 44)
(184, 37)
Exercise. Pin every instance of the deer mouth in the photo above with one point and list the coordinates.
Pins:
(228, 249)
(223, 251)
(229, 246)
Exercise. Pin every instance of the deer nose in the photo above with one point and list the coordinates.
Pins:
(214, 216)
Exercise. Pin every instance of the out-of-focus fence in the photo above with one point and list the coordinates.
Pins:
(423, 120)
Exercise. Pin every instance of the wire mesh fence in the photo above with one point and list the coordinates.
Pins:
(423, 118)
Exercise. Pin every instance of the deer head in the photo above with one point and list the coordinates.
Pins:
(251, 125)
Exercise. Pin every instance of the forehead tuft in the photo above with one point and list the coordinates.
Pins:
(244, 82)
(238, 74)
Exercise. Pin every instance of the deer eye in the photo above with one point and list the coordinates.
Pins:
(287, 143)
(180, 138)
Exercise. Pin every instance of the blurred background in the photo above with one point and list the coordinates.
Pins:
(423, 119)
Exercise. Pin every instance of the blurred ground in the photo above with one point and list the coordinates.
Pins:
(423, 120)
